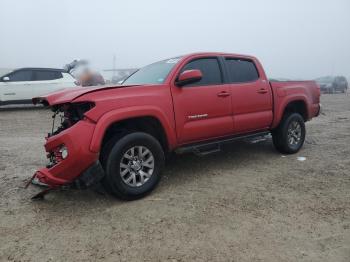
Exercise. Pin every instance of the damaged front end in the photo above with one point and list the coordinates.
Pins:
(64, 117)
(70, 160)
(68, 114)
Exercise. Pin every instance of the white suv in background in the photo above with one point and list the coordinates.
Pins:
(21, 85)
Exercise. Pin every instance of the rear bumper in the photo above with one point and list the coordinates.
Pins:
(77, 140)
(315, 111)
(319, 110)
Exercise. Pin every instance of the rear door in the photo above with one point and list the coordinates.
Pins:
(46, 81)
(17, 87)
(203, 109)
(251, 96)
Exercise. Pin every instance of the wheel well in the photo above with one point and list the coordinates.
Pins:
(148, 124)
(297, 107)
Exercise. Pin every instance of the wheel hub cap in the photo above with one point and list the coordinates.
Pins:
(137, 166)
(294, 133)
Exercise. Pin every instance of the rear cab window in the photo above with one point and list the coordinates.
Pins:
(210, 69)
(241, 70)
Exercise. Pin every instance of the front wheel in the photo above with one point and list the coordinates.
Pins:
(133, 165)
(289, 137)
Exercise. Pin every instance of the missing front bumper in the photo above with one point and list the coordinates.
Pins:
(90, 177)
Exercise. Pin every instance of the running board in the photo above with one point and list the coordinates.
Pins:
(206, 148)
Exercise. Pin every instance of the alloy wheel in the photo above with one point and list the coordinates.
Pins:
(137, 166)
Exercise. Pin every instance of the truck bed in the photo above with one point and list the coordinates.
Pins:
(307, 92)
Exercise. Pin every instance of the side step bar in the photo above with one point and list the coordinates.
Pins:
(206, 148)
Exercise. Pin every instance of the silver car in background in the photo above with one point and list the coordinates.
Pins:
(333, 84)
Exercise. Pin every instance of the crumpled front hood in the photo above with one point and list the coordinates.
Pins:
(69, 94)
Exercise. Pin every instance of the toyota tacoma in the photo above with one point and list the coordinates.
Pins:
(120, 135)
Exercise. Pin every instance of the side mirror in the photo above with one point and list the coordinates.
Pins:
(5, 78)
(189, 77)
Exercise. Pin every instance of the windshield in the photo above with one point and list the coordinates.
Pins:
(155, 73)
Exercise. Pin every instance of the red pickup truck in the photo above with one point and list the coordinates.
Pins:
(121, 134)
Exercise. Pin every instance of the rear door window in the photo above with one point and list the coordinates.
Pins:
(44, 75)
(241, 71)
(210, 70)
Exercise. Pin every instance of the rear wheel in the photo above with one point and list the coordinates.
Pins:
(289, 137)
(133, 165)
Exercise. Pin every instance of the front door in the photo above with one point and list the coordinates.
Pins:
(16, 86)
(203, 109)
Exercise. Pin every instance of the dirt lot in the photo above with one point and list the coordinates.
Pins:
(247, 203)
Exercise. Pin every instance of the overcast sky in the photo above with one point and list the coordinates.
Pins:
(292, 38)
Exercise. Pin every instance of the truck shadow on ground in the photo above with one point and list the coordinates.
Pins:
(28, 107)
(179, 169)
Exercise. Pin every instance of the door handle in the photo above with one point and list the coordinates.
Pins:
(223, 94)
(262, 91)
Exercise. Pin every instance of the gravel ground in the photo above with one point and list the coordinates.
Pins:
(247, 203)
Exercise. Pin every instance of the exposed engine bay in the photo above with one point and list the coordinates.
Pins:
(66, 115)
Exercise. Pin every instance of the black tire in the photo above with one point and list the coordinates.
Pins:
(281, 138)
(112, 155)
(105, 151)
